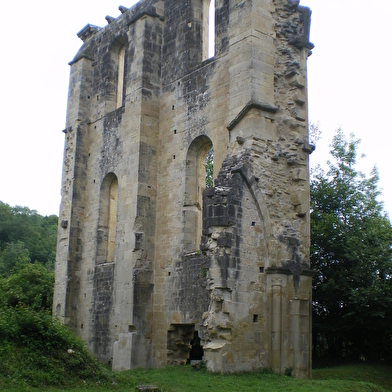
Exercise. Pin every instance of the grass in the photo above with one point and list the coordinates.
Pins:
(37, 353)
(347, 378)
(377, 374)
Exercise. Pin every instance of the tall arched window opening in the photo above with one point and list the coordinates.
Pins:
(120, 76)
(195, 183)
(208, 29)
(113, 194)
(211, 29)
(107, 225)
(115, 75)
(210, 168)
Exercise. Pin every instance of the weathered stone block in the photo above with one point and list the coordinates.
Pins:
(147, 388)
(297, 81)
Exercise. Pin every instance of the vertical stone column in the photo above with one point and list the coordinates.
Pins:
(276, 324)
(300, 337)
(295, 328)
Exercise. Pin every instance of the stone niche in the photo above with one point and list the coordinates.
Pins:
(152, 267)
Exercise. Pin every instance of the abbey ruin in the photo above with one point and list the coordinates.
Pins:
(152, 267)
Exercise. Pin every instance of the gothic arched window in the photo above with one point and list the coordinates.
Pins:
(107, 224)
(195, 183)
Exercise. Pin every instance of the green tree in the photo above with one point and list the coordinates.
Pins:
(38, 233)
(14, 253)
(29, 285)
(351, 239)
(27, 254)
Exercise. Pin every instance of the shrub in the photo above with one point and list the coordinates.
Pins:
(36, 349)
(30, 285)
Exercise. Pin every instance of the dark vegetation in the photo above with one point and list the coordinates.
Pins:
(351, 249)
(352, 297)
(27, 254)
(36, 350)
(26, 235)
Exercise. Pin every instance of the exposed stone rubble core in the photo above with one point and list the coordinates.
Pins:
(152, 269)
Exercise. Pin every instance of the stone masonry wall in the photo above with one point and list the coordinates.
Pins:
(176, 263)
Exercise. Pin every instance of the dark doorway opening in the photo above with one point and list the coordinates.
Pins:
(183, 344)
(196, 353)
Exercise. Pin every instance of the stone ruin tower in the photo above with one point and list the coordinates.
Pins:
(152, 268)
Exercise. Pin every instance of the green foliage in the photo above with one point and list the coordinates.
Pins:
(288, 372)
(38, 234)
(14, 253)
(210, 168)
(36, 350)
(314, 133)
(76, 372)
(29, 284)
(26, 236)
(351, 243)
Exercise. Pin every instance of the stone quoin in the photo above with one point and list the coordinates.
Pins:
(152, 268)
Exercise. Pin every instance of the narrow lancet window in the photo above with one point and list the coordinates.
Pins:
(120, 76)
(208, 29)
(115, 73)
(195, 183)
(211, 29)
(107, 225)
(113, 191)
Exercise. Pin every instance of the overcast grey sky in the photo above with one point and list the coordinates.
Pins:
(348, 81)
(348, 77)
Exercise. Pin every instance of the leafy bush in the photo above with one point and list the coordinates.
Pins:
(36, 350)
(30, 285)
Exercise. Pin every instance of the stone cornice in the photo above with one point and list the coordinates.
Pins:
(266, 107)
(287, 271)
